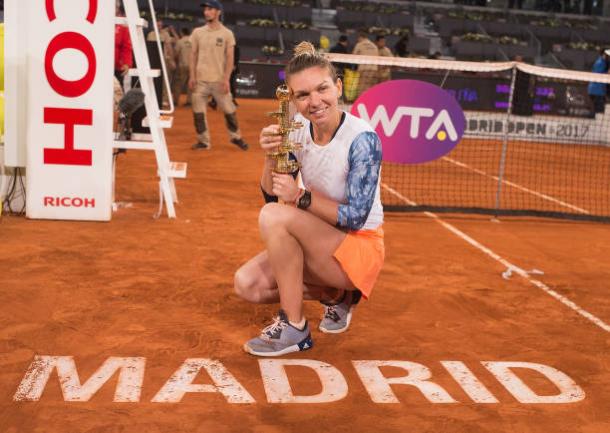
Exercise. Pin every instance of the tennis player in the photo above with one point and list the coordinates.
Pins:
(326, 242)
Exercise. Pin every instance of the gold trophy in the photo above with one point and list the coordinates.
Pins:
(281, 155)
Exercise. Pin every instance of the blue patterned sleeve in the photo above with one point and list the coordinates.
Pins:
(362, 178)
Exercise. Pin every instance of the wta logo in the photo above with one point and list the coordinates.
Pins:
(416, 121)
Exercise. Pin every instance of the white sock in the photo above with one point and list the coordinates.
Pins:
(300, 325)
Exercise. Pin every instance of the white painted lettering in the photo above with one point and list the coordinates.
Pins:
(469, 383)
(277, 385)
(181, 382)
(128, 388)
(569, 391)
(418, 375)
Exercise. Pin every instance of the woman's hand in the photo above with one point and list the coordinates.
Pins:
(285, 187)
(270, 138)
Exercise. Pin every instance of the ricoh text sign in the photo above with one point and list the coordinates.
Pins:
(69, 145)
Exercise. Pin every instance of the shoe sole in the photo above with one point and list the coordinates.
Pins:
(306, 344)
(242, 147)
(340, 330)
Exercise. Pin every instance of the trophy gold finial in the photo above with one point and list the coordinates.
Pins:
(282, 93)
(281, 155)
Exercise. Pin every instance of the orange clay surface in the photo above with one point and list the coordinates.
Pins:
(162, 289)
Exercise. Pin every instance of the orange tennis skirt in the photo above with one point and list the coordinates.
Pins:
(361, 255)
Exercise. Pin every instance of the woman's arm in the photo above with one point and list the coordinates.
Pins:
(362, 178)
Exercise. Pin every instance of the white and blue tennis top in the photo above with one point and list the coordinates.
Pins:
(346, 170)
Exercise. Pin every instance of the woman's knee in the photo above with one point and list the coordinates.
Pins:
(272, 216)
(244, 285)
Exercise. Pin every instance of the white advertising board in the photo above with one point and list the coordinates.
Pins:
(544, 129)
(70, 52)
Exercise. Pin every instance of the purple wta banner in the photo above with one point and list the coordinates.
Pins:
(416, 121)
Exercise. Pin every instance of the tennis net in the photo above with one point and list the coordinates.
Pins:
(534, 141)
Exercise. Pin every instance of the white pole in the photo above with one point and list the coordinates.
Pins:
(15, 82)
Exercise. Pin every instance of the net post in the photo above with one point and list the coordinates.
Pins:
(505, 141)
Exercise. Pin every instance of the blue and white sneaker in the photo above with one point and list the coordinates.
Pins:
(280, 338)
(337, 317)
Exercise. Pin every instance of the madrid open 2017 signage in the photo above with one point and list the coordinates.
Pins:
(69, 145)
(416, 121)
(544, 129)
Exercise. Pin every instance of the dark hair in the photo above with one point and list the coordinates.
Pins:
(305, 57)
(379, 37)
(343, 38)
(185, 31)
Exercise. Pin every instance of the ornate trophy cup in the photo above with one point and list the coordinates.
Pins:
(281, 155)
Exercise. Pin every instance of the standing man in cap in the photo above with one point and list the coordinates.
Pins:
(384, 72)
(597, 91)
(210, 72)
(367, 73)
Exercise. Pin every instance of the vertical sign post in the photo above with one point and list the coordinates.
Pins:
(69, 135)
(15, 82)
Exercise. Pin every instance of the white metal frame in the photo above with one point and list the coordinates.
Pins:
(167, 170)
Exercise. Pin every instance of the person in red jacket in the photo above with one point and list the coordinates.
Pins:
(123, 59)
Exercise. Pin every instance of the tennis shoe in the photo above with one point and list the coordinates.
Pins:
(280, 338)
(337, 317)
(239, 142)
(201, 146)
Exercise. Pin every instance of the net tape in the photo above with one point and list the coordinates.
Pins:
(455, 65)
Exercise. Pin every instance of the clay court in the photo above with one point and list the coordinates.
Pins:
(162, 290)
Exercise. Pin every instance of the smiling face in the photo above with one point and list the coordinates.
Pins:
(316, 95)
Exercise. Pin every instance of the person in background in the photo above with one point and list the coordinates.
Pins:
(232, 82)
(597, 91)
(165, 33)
(212, 62)
(168, 37)
(183, 53)
(384, 72)
(341, 47)
(123, 58)
(401, 48)
(170, 52)
(367, 73)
